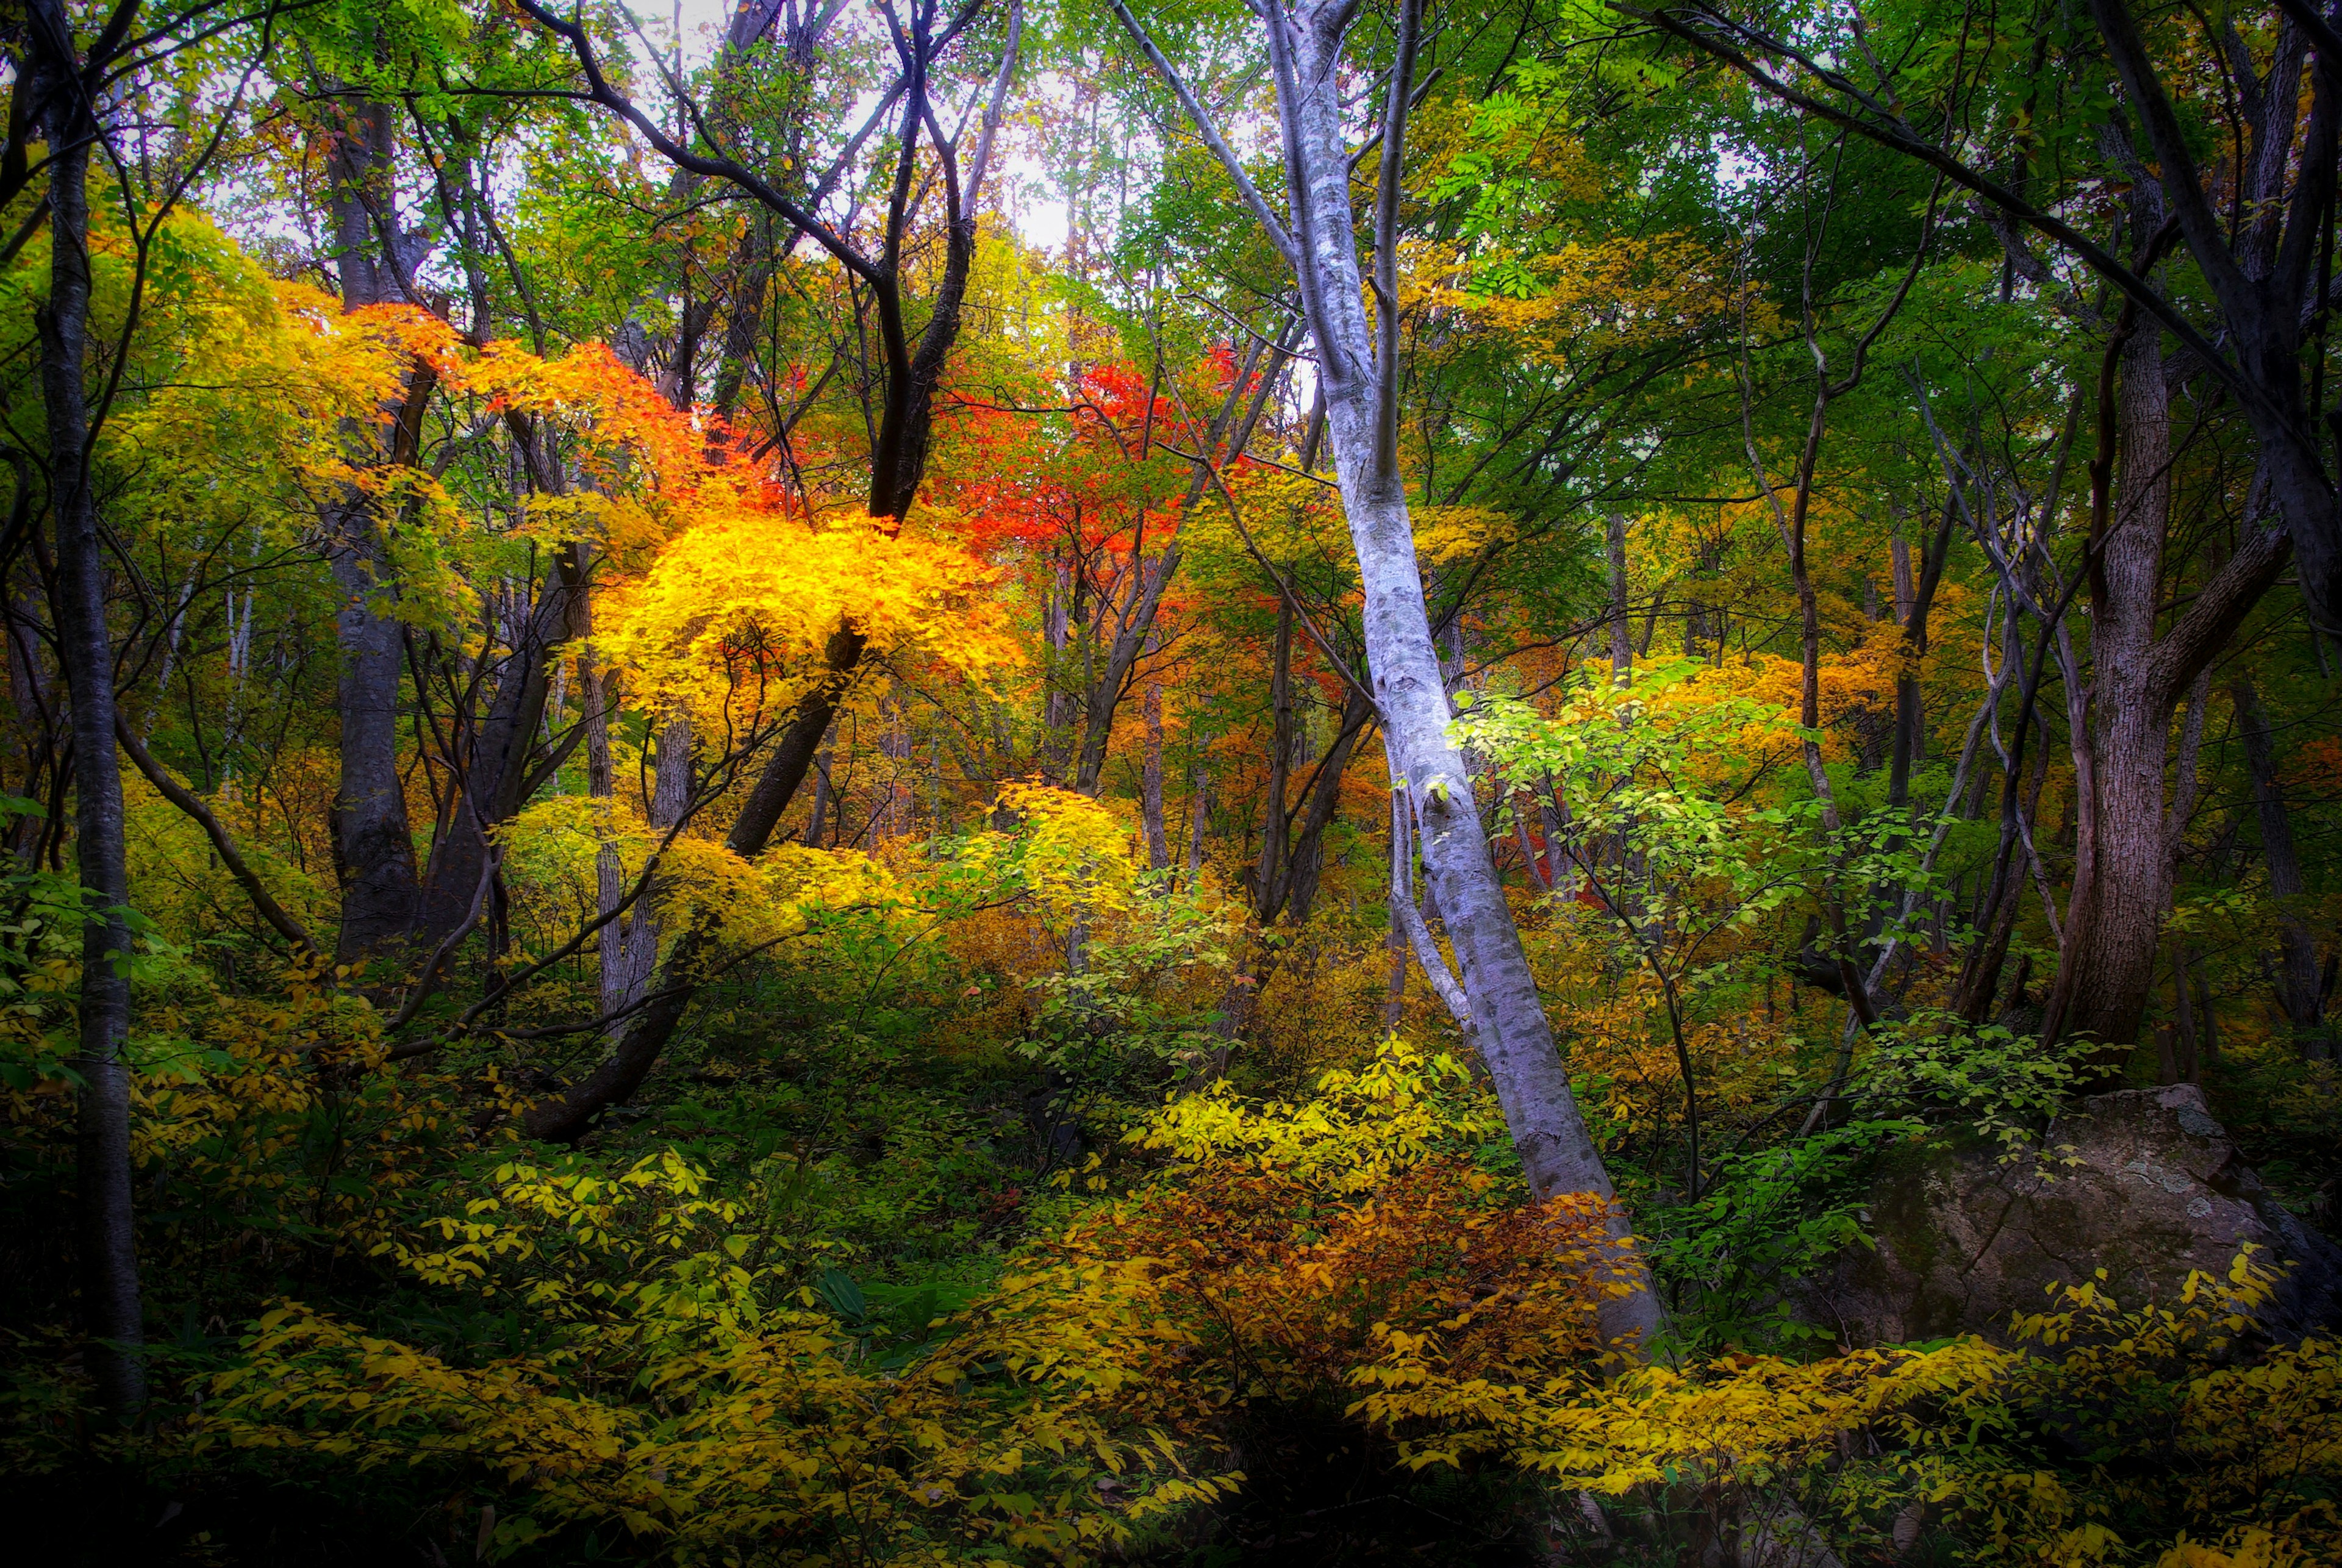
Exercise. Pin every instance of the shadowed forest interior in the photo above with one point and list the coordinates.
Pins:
(872, 783)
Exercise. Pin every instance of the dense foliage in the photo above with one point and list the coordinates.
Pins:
(1054, 783)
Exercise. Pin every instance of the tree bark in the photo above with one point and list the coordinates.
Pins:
(1358, 369)
(374, 844)
(897, 464)
(496, 764)
(628, 969)
(2300, 985)
(1268, 872)
(2122, 874)
(1622, 644)
(1158, 847)
(108, 1236)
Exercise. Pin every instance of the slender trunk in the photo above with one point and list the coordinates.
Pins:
(1914, 598)
(599, 690)
(1268, 874)
(2187, 1065)
(1402, 852)
(1199, 811)
(32, 694)
(108, 1238)
(1622, 647)
(1540, 869)
(2300, 989)
(818, 817)
(1158, 847)
(1305, 860)
(637, 951)
(1557, 1153)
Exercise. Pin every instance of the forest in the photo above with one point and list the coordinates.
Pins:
(879, 783)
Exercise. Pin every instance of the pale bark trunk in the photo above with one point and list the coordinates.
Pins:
(1557, 1153)
(636, 951)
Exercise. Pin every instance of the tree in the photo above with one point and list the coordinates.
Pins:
(1360, 375)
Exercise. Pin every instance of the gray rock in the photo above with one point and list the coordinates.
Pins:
(2143, 1183)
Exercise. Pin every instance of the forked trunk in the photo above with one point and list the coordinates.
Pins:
(1557, 1154)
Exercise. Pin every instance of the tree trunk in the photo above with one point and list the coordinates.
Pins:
(1622, 645)
(1268, 874)
(1199, 810)
(108, 1236)
(2300, 988)
(637, 951)
(1557, 1153)
(374, 844)
(2123, 870)
(497, 766)
(1158, 847)
(1914, 597)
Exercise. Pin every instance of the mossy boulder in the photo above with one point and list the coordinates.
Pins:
(2143, 1184)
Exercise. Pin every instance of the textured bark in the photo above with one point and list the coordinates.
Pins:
(373, 844)
(107, 1239)
(2260, 274)
(1361, 392)
(2122, 875)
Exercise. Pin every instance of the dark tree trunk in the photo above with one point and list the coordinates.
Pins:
(498, 763)
(1913, 601)
(1622, 646)
(108, 1237)
(2300, 985)
(373, 844)
(1268, 874)
(897, 464)
(1158, 845)
(2123, 872)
